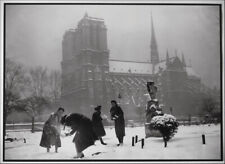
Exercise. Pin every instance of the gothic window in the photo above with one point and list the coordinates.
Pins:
(91, 36)
(104, 60)
(90, 75)
(84, 74)
(97, 37)
(73, 80)
(98, 75)
(89, 59)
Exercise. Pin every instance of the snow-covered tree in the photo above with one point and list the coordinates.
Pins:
(166, 124)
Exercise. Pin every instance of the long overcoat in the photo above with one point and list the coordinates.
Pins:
(118, 116)
(97, 124)
(51, 132)
(82, 125)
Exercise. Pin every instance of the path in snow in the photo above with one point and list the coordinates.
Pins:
(186, 144)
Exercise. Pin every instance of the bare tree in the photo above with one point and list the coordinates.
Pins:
(38, 98)
(208, 104)
(34, 106)
(54, 85)
(38, 82)
(15, 84)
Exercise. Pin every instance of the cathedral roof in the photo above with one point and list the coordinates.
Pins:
(161, 65)
(191, 72)
(87, 18)
(116, 66)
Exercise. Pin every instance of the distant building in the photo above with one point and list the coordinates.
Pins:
(90, 77)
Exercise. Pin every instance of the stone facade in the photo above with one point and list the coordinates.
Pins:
(90, 78)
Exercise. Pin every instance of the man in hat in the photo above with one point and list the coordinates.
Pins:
(97, 124)
(85, 135)
(117, 115)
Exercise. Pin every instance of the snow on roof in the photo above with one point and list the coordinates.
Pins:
(191, 72)
(161, 65)
(117, 66)
(95, 19)
(130, 67)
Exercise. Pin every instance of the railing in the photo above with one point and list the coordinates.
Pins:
(24, 126)
(38, 126)
(197, 122)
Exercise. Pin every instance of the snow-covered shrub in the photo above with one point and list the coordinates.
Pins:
(166, 124)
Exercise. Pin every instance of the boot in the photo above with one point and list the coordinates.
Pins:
(102, 142)
(79, 155)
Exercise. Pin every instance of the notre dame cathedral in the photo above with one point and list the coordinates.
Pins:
(90, 78)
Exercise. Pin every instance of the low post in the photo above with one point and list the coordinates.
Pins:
(136, 139)
(165, 142)
(142, 142)
(132, 141)
(203, 139)
(189, 119)
(32, 125)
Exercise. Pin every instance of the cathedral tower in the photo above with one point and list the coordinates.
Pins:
(85, 63)
(153, 45)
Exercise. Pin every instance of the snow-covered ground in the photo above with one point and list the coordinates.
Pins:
(186, 144)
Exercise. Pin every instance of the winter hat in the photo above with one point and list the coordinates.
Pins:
(98, 107)
(114, 101)
(62, 109)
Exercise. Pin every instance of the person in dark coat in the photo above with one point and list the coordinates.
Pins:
(98, 125)
(51, 131)
(84, 136)
(117, 115)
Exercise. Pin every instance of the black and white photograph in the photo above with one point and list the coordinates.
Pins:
(104, 81)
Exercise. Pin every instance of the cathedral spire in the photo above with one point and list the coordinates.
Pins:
(153, 45)
(175, 52)
(86, 14)
(183, 59)
(190, 62)
(167, 57)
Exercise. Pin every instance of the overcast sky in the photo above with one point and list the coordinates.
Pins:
(34, 33)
